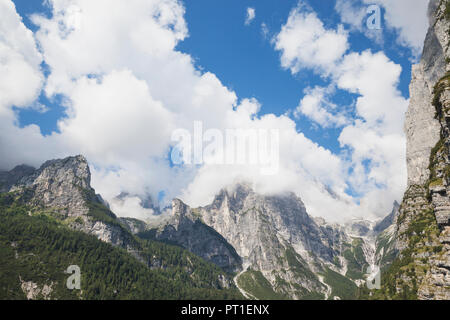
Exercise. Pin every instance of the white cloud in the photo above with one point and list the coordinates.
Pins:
(20, 83)
(21, 78)
(126, 86)
(351, 13)
(375, 139)
(316, 106)
(407, 17)
(305, 168)
(124, 119)
(131, 207)
(251, 14)
(304, 42)
(355, 15)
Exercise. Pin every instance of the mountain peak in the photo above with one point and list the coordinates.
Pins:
(75, 168)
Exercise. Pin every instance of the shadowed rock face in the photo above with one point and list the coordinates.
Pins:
(185, 228)
(10, 178)
(388, 220)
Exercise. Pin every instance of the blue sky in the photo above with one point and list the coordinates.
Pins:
(115, 90)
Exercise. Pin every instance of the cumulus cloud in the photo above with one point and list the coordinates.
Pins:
(377, 140)
(406, 17)
(21, 80)
(131, 207)
(304, 42)
(399, 16)
(374, 139)
(355, 15)
(251, 14)
(126, 87)
(21, 77)
(305, 168)
(316, 106)
(115, 118)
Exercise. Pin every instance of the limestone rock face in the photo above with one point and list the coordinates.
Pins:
(421, 127)
(265, 231)
(273, 235)
(423, 223)
(243, 212)
(185, 227)
(436, 284)
(58, 184)
(63, 187)
(272, 240)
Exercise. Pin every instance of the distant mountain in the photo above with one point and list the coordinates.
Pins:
(388, 220)
(267, 246)
(285, 253)
(186, 229)
(51, 218)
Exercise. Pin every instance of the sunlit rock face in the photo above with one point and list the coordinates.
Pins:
(421, 127)
(423, 224)
(62, 187)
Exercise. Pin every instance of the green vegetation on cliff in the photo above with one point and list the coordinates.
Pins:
(356, 261)
(38, 248)
(341, 286)
(401, 280)
(254, 283)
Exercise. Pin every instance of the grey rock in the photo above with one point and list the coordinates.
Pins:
(428, 190)
(267, 229)
(185, 228)
(421, 127)
(388, 220)
(10, 178)
(63, 187)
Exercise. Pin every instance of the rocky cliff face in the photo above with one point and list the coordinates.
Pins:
(421, 127)
(62, 189)
(277, 250)
(59, 195)
(265, 231)
(422, 269)
(185, 228)
(283, 251)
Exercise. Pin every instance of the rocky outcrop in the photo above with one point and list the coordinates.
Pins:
(57, 184)
(135, 226)
(273, 235)
(389, 220)
(421, 230)
(421, 127)
(62, 189)
(185, 228)
(279, 244)
(436, 283)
